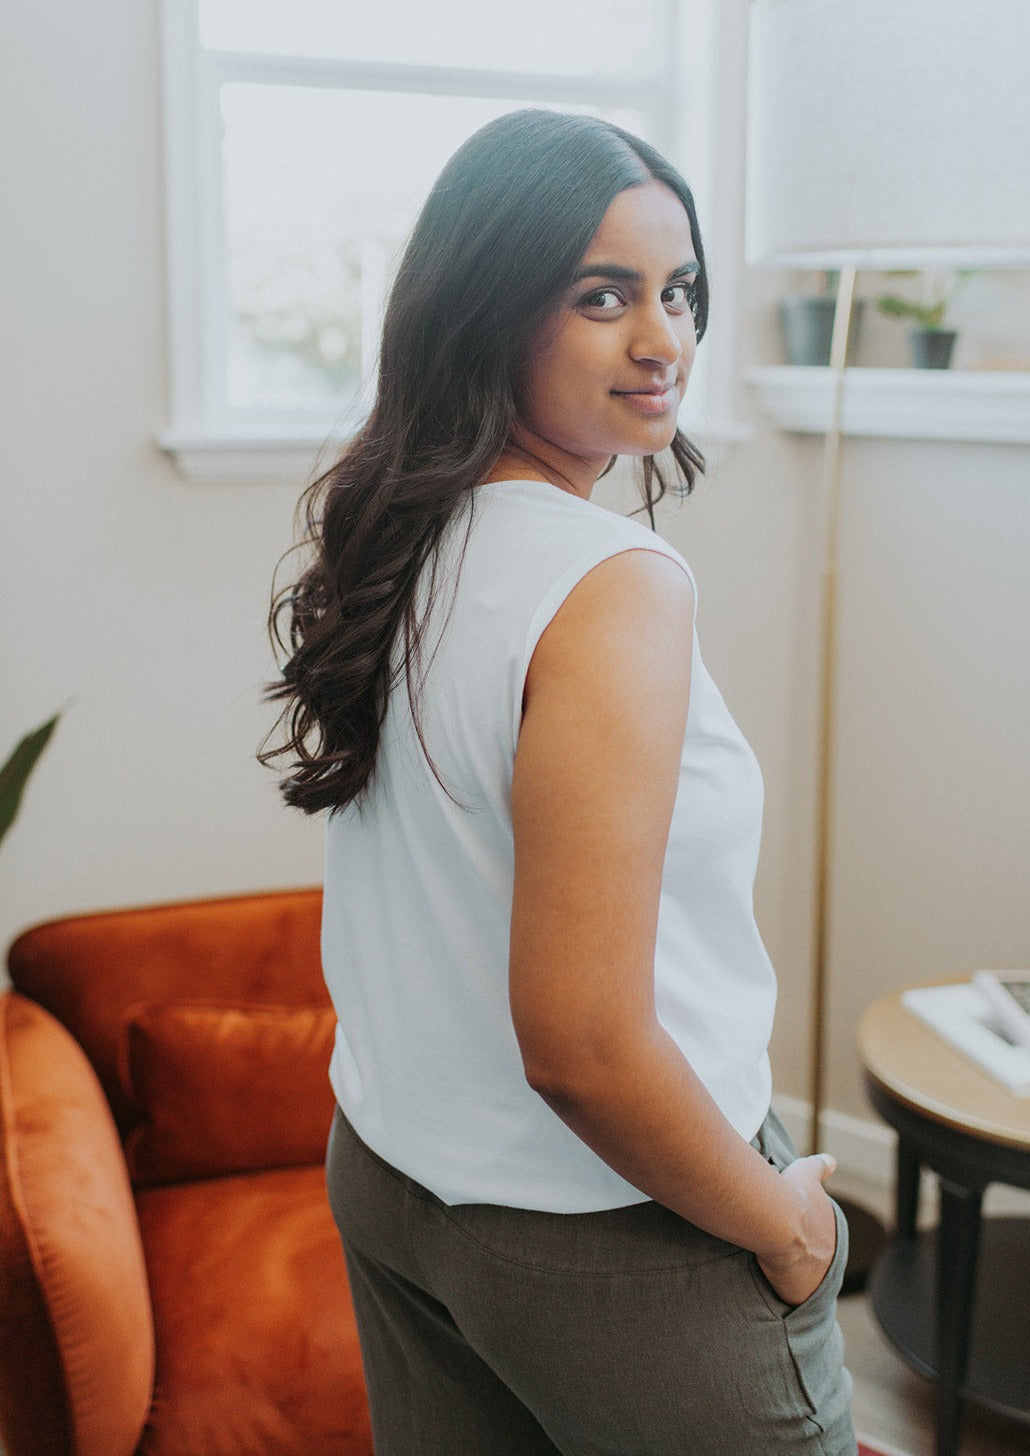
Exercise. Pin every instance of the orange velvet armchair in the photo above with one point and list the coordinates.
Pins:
(171, 1282)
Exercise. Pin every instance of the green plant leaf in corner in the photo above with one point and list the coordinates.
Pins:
(15, 773)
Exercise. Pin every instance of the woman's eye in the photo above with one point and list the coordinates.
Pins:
(605, 300)
(677, 295)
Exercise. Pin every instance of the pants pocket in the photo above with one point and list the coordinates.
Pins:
(814, 1337)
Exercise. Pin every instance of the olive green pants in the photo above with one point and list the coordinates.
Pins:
(490, 1331)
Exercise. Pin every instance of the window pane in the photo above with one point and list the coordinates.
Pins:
(570, 37)
(321, 190)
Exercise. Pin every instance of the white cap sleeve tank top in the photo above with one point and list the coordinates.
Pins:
(418, 884)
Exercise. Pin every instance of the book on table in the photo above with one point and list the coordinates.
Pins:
(1008, 993)
(967, 1016)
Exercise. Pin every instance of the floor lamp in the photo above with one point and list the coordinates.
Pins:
(881, 134)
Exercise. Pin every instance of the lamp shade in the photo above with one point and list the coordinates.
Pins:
(889, 133)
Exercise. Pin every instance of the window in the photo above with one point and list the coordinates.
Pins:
(301, 140)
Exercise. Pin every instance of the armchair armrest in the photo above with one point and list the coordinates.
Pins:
(76, 1326)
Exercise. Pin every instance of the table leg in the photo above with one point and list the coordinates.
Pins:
(958, 1245)
(907, 1189)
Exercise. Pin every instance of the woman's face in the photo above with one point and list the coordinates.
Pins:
(611, 365)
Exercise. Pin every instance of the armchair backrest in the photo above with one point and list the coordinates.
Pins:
(207, 1023)
(92, 972)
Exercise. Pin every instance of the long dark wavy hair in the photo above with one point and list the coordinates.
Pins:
(495, 248)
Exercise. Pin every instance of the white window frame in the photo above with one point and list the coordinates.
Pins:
(211, 442)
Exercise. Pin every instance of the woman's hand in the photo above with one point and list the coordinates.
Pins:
(797, 1276)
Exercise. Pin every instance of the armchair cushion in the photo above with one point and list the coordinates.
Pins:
(76, 1331)
(256, 1340)
(227, 1089)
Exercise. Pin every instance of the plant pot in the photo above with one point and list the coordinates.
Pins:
(931, 348)
(807, 325)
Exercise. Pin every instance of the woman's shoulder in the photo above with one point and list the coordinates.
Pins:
(529, 547)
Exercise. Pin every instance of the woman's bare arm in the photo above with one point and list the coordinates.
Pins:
(595, 779)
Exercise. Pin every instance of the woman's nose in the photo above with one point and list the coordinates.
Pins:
(659, 337)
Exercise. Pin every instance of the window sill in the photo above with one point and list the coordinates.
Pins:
(290, 457)
(982, 406)
(247, 458)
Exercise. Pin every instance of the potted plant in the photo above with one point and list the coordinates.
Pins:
(930, 342)
(806, 323)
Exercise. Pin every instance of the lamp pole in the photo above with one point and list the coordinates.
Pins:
(830, 498)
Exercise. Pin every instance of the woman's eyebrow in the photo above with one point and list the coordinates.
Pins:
(619, 273)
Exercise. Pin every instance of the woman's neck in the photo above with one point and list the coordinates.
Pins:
(518, 463)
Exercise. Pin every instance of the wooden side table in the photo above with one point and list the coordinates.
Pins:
(955, 1301)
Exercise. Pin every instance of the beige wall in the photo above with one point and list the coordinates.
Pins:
(141, 599)
(127, 592)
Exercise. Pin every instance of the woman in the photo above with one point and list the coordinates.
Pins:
(571, 1222)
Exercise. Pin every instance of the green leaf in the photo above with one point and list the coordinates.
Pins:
(929, 315)
(893, 306)
(15, 773)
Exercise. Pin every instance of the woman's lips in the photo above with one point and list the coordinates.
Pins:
(649, 401)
